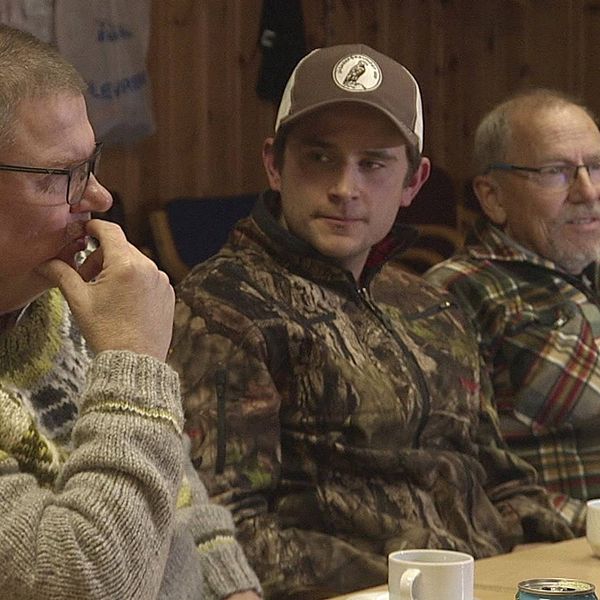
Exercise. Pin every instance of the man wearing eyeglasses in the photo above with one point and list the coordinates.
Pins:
(97, 497)
(529, 278)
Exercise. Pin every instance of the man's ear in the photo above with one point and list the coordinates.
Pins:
(269, 162)
(415, 183)
(490, 198)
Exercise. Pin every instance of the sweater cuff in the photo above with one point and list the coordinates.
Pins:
(226, 569)
(224, 564)
(122, 381)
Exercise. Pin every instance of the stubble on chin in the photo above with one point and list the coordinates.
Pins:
(572, 257)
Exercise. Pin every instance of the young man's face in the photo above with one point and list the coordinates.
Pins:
(561, 224)
(36, 223)
(343, 180)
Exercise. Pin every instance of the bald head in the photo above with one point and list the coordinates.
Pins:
(503, 125)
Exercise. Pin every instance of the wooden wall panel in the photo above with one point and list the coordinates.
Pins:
(203, 62)
(466, 54)
(586, 65)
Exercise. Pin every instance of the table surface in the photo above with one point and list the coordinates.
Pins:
(496, 578)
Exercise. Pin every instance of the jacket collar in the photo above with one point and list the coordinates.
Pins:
(302, 257)
(488, 242)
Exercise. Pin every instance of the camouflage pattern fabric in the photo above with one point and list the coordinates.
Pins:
(339, 423)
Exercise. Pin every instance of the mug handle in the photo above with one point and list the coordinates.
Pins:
(406, 583)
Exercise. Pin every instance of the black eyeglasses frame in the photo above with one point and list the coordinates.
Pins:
(501, 166)
(92, 163)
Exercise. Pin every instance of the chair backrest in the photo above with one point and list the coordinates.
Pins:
(188, 230)
(436, 201)
(434, 244)
(433, 212)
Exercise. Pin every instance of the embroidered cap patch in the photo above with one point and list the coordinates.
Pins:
(357, 73)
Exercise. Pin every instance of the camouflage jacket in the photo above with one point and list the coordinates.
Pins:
(340, 422)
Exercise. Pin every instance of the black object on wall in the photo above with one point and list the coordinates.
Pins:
(282, 43)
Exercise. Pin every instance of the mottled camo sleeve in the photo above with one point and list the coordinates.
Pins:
(283, 557)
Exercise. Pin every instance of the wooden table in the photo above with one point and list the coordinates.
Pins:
(496, 578)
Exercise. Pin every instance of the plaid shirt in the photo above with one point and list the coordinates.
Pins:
(539, 335)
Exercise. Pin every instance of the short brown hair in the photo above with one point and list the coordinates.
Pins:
(30, 68)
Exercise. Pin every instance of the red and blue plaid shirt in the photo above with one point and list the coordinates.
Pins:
(540, 337)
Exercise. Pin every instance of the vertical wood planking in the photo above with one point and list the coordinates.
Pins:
(257, 116)
(466, 54)
(590, 48)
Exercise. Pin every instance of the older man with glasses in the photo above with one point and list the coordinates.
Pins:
(98, 499)
(529, 279)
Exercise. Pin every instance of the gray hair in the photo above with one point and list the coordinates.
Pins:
(29, 69)
(494, 133)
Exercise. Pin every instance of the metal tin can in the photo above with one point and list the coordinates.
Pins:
(555, 588)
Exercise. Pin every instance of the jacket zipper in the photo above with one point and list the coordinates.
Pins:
(413, 364)
(432, 310)
(220, 387)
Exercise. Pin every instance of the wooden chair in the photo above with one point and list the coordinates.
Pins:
(434, 212)
(435, 244)
(188, 230)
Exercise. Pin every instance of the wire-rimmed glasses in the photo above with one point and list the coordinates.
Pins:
(553, 177)
(77, 176)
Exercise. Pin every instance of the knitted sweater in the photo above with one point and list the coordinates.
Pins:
(91, 457)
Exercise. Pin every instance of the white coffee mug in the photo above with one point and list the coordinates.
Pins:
(430, 575)
(592, 525)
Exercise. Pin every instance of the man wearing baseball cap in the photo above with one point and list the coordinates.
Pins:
(334, 402)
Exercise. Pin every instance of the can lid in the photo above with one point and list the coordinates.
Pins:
(558, 586)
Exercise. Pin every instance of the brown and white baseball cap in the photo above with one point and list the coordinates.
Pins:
(353, 73)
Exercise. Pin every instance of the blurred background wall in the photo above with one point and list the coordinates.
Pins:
(204, 61)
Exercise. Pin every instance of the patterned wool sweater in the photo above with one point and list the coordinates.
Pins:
(91, 457)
